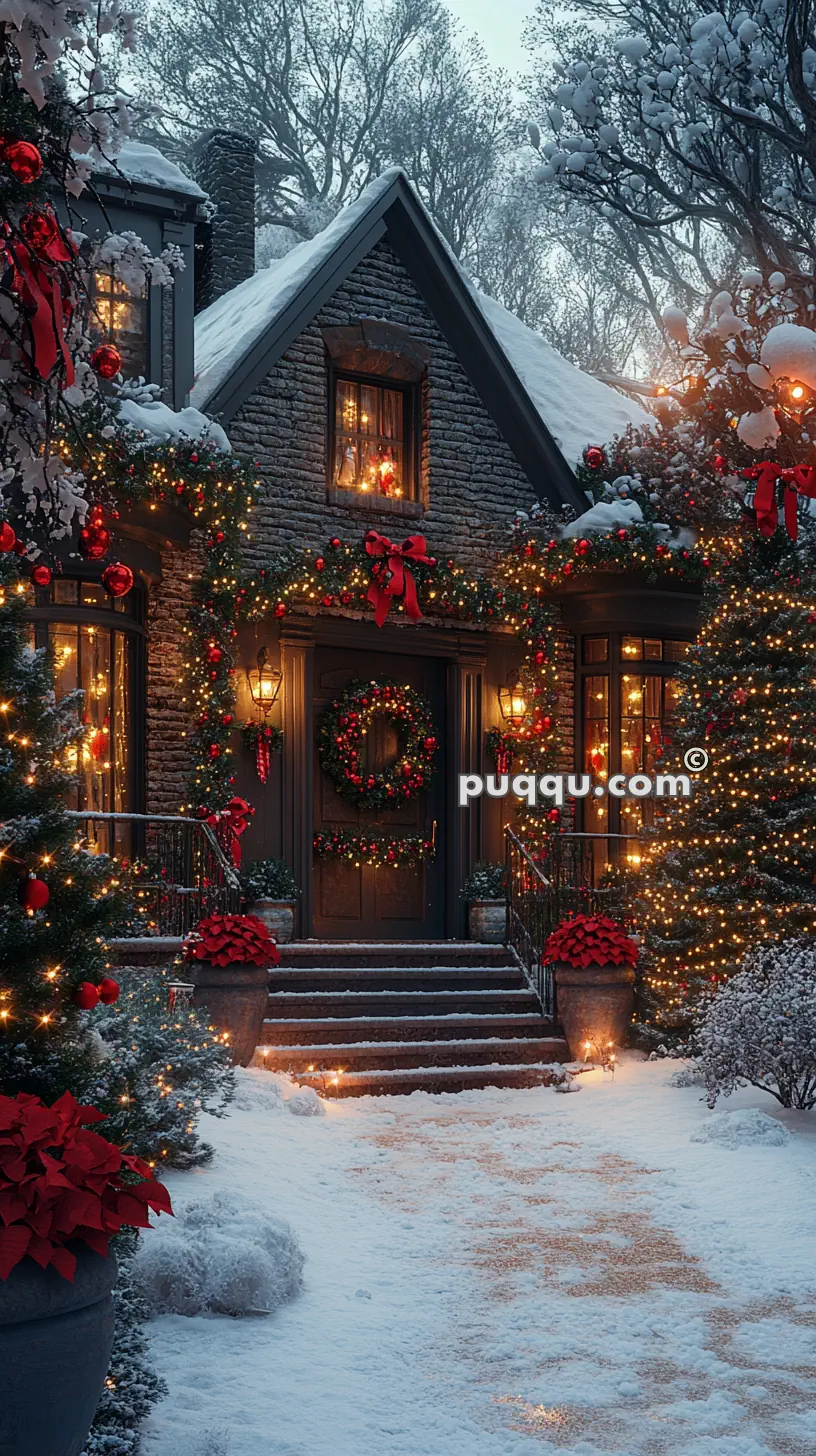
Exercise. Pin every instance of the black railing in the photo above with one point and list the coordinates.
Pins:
(178, 869)
(569, 874)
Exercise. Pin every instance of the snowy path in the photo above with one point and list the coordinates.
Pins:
(507, 1272)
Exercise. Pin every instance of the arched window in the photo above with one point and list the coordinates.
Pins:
(98, 644)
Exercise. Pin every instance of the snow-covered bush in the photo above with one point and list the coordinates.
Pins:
(747, 1127)
(221, 1254)
(761, 1028)
(306, 1103)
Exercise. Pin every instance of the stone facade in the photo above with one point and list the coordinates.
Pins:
(167, 715)
(470, 479)
(225, 169)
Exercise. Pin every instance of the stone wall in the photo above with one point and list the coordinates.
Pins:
(167, 715)
(473, 482)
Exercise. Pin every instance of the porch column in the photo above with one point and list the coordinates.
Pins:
(297, 666)
(466, 678)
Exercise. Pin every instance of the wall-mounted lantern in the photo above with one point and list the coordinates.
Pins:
(264, 682)
(512, 701)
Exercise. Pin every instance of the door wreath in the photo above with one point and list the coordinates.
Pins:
(343, 730)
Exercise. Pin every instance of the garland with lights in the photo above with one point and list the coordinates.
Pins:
(373, 848)
(343, 730)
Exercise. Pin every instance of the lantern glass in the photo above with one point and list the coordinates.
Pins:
(512, 702)
(264, 682)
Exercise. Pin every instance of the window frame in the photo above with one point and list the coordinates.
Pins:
(614, 669)
(142, 302)
(411, 442)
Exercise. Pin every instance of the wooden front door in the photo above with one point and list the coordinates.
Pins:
(369, 902)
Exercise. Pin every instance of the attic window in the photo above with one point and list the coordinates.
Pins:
(119, 316)
(373, 437)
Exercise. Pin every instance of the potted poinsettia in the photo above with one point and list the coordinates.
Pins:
(231, 956)
(270, 891)
(64, 1191)
(485, 890)
(594, 961)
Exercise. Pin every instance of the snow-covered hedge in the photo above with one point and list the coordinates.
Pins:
(761, 1028)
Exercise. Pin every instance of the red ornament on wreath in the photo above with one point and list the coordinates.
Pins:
(33, 893)
(117, 579)
(8, 537)
(24, 160)
(106, 361)
(594, 457)
(86, 995)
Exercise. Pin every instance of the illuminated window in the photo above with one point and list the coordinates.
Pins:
(372, 438)
(97, 647)
(119, 316)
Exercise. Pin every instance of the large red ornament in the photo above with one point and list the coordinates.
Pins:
(33, 894)
(24, 160)
(554, 815)
(106, 361)
(86, 995)
(594, 457)
(117, 579)
(214, 653)
(41, 575)
(108, 990)
(40, 229)
(8, 537)
(94, 540)
(583, 547)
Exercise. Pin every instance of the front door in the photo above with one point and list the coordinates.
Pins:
(380, 902)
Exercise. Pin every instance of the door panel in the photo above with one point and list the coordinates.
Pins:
(367, 902)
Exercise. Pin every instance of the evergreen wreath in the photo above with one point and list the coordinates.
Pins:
(344, 727)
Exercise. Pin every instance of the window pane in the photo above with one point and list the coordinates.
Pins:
(391, 415)
(674, 651)
(652, 649)
(345, 464)
(368, 409)
(596, 746)
(596, 649)
(65, 591)
(93, 594)
(345, 412)
(632, 648)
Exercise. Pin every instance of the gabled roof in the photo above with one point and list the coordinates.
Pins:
(545, 408)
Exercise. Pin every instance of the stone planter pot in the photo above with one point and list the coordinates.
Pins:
(236, 999)
(487, 921)
(594, 1004)
(55, 1345)
(277, 915)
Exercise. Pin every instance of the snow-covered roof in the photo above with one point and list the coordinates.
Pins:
(576, 408)
(140, 162)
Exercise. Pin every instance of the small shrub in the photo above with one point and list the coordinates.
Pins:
(760, 1029)
(268, 879)
(486, 881)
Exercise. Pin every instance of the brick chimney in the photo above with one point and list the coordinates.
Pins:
(225, 167)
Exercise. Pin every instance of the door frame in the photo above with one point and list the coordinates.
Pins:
(465, 653)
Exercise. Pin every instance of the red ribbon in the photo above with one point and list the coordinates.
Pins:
(798, 480)
(229, 824)
(400, 582)
(44, 292)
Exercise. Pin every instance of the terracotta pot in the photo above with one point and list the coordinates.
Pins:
(487, 921)
(55, 1346)
(277, 915)
(594, 1004)
(236, 998)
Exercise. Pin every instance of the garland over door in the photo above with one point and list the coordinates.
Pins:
(380, 902)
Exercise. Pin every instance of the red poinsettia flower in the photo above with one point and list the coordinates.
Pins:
(60, 1182)
(227, 940)
(591, 940)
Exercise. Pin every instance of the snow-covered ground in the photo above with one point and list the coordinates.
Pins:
(502, 1272)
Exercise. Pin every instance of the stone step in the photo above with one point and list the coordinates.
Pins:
(371, 1056)
(393, 1082)
(396, 978)
(397, 1003)
(338, 1031)
(393, 954)
(147, 950)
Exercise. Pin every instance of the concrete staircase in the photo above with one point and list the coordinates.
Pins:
(356, 1018)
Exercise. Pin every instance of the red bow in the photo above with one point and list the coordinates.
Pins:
(44, 292)
(229, 824)
(400, 582)
(798, 480)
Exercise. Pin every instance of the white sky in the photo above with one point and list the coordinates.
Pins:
(498, 23)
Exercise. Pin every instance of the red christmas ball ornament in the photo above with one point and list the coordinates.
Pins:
(41, 575)
(20, 548)
(335, 543)
(554, 816)
(33, 894)
(319, 563)
(720, 464)
(622, 534)
(214, 750)
(106, 361)
(226, 719)
(39, 229)
(327, 601)
(546, 722)
(540, 658)
(8, 537)
(86, 995)
(117, 579)
(583, 547)
(567, 568)
(661, 549)
(594, 457)
(108, 990)
(280, 609)
(94, 541)
(25, 161)
(214, 653)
